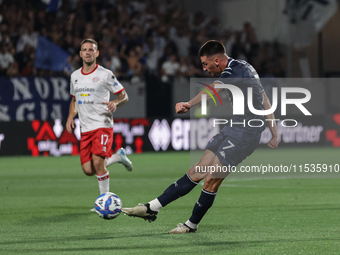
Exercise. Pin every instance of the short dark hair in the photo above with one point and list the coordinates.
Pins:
(89, 40)
(210, 48)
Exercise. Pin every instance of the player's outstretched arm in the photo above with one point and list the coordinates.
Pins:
(183, 107)
(122, 98)
(72, 113)
(274, 142)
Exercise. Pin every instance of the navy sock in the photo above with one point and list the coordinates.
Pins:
(178, 189)
(202, 206)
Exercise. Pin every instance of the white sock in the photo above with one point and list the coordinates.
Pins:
(190, 224)
(113, 159)
(155, 205)
(104, 182)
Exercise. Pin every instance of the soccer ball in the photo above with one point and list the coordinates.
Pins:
(108, 205)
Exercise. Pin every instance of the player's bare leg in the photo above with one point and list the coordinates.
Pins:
(206, 160)
(88, 168)
(99, 164)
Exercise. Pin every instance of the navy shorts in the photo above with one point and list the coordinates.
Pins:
(232, 150)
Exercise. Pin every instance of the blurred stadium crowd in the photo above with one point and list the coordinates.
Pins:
(136, 38)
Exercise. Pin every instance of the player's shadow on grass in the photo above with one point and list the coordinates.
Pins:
(68, 217)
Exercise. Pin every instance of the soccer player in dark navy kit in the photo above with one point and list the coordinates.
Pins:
(230, 147)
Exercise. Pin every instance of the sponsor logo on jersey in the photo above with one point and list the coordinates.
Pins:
(84, 95)
(115, 84)
(84, 90)
(85, 102)
(95, 79)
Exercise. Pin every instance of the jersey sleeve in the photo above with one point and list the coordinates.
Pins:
(114, 85)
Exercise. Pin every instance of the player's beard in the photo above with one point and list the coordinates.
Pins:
(88, 63)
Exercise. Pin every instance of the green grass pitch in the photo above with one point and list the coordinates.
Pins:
(45, 205)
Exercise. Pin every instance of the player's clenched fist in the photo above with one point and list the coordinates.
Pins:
(273, 143)
(182, 107)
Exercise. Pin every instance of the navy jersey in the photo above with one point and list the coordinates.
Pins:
(243, 75)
